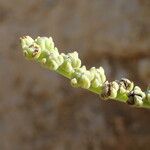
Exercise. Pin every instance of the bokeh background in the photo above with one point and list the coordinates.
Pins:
(39, 110)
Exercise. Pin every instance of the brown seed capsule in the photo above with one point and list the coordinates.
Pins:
(105, 90)
(135, 97)
(131, 100)
(125, 85)
(110, 90)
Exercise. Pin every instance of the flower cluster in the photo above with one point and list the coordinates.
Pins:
(110, 90)
(95, 77)
(43, 50)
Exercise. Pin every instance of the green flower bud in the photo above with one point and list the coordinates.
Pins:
(84, 82)
(138, 91)
(138, 101)
(51, 64)
(45, 43)
(102, 74)
(26, 41)
(67, 67)
(74, 82)
(95, 83)
(82, 76)
(75, 61)
(67, 64)
(122, 89)
(33, 51)
(98, 76)
(60, 60)
(53, 60)
(49, 44)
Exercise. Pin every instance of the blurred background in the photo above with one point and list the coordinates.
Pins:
(39, 110)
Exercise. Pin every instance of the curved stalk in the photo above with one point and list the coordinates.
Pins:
(43, 51)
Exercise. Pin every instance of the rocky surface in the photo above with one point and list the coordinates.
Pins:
(39, 109)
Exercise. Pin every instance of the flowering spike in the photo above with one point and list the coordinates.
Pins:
(43, 51)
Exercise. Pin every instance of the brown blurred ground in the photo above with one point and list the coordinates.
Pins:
(39, 110)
